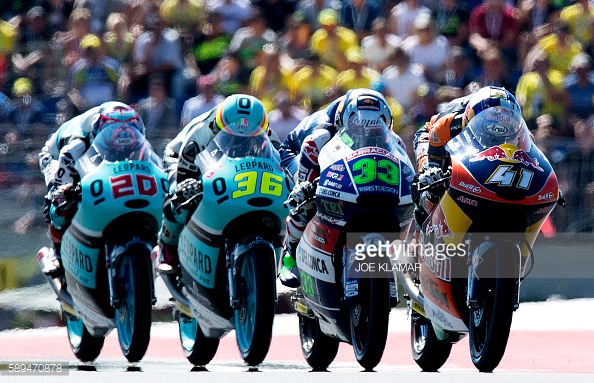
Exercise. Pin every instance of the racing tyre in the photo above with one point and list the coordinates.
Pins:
(134, 315)
(198, 349)
(428, 352)
(369, 321)
(490, 323)
(255, 314)
(318, 348)
(84, 346)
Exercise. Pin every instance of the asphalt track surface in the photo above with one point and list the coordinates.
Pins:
(550, 342)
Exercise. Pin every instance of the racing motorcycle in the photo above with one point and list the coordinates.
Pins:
(229, 249)
(363, 188)
(475, 247)
(106, 251)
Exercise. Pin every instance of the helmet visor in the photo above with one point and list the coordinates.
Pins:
(235, 146)
(365, 129)
(498, 125)
(119, 142)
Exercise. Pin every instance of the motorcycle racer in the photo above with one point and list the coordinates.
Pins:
(236, 115)
(302, 164)
(430, 140)
(57, 160)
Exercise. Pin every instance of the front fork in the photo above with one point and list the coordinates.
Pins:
(475, 293)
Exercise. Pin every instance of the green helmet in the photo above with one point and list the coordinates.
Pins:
(242, 115)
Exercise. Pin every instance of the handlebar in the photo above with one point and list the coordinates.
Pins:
(300, 208)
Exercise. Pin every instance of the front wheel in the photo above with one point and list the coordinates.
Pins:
(318, 348)
(428, 352)
(84, 346)
(198, 349)
(369, 321)
(134, 315)
(490, 322)
(255, 315)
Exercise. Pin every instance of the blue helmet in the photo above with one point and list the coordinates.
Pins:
(489, 97)
(242, 115)
(121, 114)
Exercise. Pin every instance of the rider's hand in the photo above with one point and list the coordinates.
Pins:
(305, 191)
(433, 180)
(65, 198)
(188, 194)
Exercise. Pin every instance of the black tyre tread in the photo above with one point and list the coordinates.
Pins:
(324, 347)
(435, 353)
(90, 346)
(265, 279)
(141, 270)
(204, 349)
(369, 353)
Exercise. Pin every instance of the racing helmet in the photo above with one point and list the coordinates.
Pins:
(489, 97)
(500, 125)
(118, 113)
(365, 128)
(242, 115)
(362, 99)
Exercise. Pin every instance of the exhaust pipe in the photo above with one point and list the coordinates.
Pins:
(182, 303)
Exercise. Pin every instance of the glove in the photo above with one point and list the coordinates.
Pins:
(188, 195)
(305, 191)
(433, 180)
(65, 198)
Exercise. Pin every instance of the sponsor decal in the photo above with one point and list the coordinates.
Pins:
(337, 167)
(371, 150)
(329, 192)
(333, 207)
(334, 176)
(378, 188)
(546, 196)
(252, 165)
(332, 184)
(470, 187)
(497, 153)
(439, 224)
(441, 268)
(468, 201)
(433, 290)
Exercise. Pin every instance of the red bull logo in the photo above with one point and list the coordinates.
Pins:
(497, 153)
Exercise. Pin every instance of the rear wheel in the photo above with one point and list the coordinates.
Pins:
(84, 346)
(198, 349)
(318, 348)
(428, 352)
(490, 323)
(369, 321)
(134, 315)
(255, 314)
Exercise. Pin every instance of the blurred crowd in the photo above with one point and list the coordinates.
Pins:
(174, 59)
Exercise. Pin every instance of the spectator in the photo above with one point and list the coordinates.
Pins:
(455, 76)
(206, 99)
(269, 78)
(234, 13)
(8, 37)
(425, 48)
(579, 88)
(285, 117)
(210, 44)
(294, 43)
(377, 48)
(311, 9)
(403, 16)
(79, 25)
(580, 18)
(331, 41)
(100, 10)
(534, 21)
(118, 41)
(58, 12)
(93, 78)
(358, 76)
(24, 111)
(227, 74)
(451, 18)
(276, 12)
(359, 15)
(401, 80)
(560, 47)
(32, 55)
(186, 16)
(248, 42)
(425, 106)
(493, 25)
(540, 90)
(158, 112)
(494, 70)
(310, 83)
(157, 51)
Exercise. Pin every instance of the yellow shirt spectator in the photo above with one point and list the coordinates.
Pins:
(531, 95)
(350, 79)
(397, 114)
(310, 83)
(560, 55)
(187, 15)
(331, 42)
(264, 85)
(580, 23)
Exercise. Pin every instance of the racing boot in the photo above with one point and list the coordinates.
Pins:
(168, 260)
(289, 273)
(50, 261)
